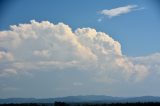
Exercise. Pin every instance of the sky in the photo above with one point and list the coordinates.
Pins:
(56, 48)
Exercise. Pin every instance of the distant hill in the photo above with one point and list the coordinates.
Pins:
(84, 99)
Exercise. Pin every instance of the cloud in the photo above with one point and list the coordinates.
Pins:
(8, 72)
(119, 11)
(6, 88)
(77, 84)
(152, 62)
(6, 56)
(47, 46)
(44, 53)
(100, 19)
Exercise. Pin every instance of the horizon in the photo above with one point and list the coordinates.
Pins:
(58, 48)
(80, 96)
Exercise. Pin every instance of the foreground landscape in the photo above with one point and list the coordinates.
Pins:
(83, 104)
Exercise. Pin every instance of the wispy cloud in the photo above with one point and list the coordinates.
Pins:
(119, 11)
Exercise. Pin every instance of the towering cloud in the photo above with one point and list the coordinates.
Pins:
(44, 45)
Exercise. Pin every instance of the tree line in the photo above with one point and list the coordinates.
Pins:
(83, 104)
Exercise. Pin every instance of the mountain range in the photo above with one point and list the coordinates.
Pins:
(83, 99)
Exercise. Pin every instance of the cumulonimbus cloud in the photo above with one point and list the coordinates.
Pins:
(44, 45)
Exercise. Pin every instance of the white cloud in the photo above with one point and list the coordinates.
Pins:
(8, 72)
(77, 83)
(44, 53)
(152, 62)
(6, 56)
(119, 10)
(44, 45)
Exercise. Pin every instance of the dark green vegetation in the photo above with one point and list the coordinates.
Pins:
(84, 104)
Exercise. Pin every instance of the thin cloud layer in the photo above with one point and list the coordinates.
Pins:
(47, 46)
(119, 11)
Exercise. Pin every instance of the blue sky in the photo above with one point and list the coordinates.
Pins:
(141, 27)
(66, 66)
